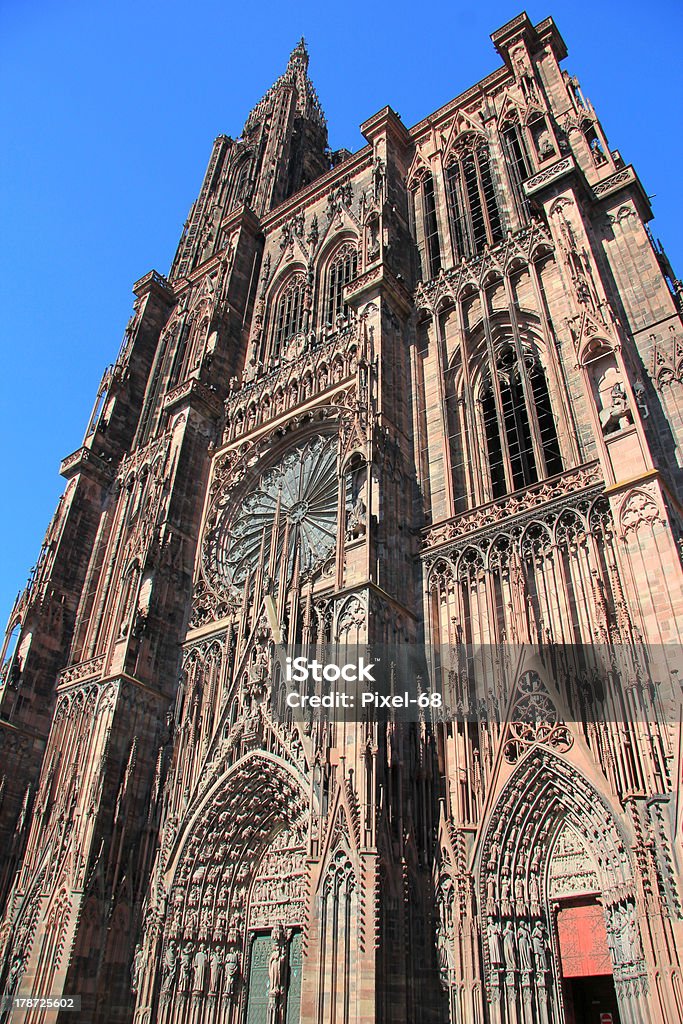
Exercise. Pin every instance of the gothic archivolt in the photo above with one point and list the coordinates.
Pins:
(237, 866)
(543, 797)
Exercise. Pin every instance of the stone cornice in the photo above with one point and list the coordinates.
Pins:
(386, 122)
(84, 460)
(196, 395)
(624, 178)
(375, 280)
(549, 175)
(154, 282)
(82, 671)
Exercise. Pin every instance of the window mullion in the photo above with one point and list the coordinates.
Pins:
(482, 199)
(495, 383)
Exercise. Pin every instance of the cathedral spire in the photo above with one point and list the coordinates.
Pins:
(295, 75)
(299, 55)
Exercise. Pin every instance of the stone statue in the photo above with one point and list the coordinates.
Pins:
(597, 152)
(617, 936)
(519, 889)
(277, 967)
(505, 895)
(540, 947)
(378, 178)
(136, 971)
(618, 414)
(356, 523)
(199, 969)
(509, 947)
(231, 967)
(16, 970)
(634, 942)
(186, 967)
(526, 962)
(495, 945)
(534, 892)
(170, 967)
(545, 145)
(215, 962)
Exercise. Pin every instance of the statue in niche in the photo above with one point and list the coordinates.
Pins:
(491, 894)
(17, 968)
(373, 239)
(505, 895)
(597, 152)
(199, 969)
(186, 967)
(215, 964)
(618, 414)
(231, 969)
(509, 947)
(357, 521)
(545, 145)
(524, 946)
(378, 179)
(277, 975)
(540, 945)
(495, 942)
(443, 954)
(633, 935)
(534, 891)
(137, 968)
(525, 75)
(170, 968)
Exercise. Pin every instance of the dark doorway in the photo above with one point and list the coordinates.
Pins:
(588, 984)
(591, 1000)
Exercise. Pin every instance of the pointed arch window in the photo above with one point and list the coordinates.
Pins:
(472, 202)
(518, 161)
(519, 427)
(289, 313)
(341, 271)
(431, 225)
(240, 191)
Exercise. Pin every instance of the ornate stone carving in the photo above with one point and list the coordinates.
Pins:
(639, 507)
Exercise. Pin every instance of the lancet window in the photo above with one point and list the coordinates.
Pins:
(519, 427)
(289, 313)
(342, 270)
(518, 162)
(241, 185)
(431, 226)
(472, 203)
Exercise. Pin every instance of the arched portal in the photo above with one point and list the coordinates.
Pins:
(548, 813)
(229, 947)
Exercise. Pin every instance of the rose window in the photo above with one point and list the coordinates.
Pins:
(299, 495)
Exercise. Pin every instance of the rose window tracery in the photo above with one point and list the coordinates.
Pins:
(297, 499)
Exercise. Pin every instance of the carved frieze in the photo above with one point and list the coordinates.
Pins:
(548, 495)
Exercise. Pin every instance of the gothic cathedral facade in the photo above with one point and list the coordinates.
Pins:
(429, 392)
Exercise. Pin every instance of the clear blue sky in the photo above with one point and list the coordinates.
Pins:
(108, 112)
